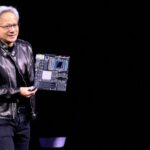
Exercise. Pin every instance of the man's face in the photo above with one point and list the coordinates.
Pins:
(9, 28)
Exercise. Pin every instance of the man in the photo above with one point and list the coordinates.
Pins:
(16, 83)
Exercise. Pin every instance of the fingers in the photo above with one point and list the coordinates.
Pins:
(32, 88)
(27, 91)
(31, 93)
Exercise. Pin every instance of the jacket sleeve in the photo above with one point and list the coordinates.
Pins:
(9, 93)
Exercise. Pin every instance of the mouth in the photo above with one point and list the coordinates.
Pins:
(11, 35)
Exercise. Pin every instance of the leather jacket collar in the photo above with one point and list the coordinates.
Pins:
(5, 49)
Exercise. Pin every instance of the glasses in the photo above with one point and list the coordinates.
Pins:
(7, 27)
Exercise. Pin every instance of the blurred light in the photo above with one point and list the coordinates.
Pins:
(52, 142)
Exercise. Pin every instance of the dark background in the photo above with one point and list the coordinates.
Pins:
(107, 101)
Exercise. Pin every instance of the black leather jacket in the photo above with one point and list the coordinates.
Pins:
(16, 70)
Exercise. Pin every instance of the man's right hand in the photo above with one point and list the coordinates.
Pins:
(27, 91)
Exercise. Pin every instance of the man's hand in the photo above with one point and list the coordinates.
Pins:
(28, 91)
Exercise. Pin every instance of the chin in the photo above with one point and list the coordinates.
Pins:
(12, 40)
